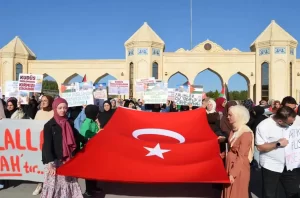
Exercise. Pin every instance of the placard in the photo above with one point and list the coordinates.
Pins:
(100, 91)
(30, 82)
(292, 150)
(78, 94)
(21, 150)
(118, 87)
(156, 93)
(12, 90)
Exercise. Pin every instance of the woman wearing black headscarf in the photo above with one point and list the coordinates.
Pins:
(14, 110)
(173, 107)
(107, 113)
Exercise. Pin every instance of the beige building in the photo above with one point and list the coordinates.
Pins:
(270, 69)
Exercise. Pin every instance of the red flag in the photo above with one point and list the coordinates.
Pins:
(137, 146)
(84, 78)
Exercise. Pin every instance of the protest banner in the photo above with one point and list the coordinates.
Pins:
(100, 91)
(189, 94)
(30, 82)
(21, 150)
(156, 93)
(118, 87)
(12, 90)
(140, 84)
(184, 98)
(78, 94)
(292, 150)
(171, 94)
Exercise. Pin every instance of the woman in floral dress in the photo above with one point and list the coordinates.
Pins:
(60, 145)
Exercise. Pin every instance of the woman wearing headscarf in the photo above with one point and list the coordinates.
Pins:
(14, 110)
(30, 109)
(213, 117)
(173, 107)
(60, 145)
(45, 113)
(220, 104)
(241, 144)
(88, 129)
(226, 127)
(106, 115)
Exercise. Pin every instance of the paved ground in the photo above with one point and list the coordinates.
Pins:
(117, 190)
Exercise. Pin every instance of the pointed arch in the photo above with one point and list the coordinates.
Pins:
(209, 79)
(213, 71)
(105, 78)
(176, 79)
(178, 72)
(72, 77)
(239, 90)
(50, 86)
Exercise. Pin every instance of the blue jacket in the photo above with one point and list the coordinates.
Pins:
(79, 120)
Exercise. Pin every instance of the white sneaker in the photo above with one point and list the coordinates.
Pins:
(38, 189)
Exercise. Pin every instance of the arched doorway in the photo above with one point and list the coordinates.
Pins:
(238, 87)
(177, 79)
(104, 79)
(73, 78)
(50, 86)
(211, 81)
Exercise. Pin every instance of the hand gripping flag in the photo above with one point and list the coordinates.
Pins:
(138, 146)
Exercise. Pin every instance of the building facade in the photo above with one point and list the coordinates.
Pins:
(270, 68)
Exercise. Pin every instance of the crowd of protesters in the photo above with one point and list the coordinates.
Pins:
(248, 135)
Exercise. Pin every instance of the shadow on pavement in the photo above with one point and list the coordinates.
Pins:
(160, 190)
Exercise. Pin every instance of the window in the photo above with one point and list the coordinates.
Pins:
(265, 81)
(155, 70)
(131, 79)
(291, 79)
(19, 70)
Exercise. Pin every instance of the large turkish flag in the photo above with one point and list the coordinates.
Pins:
(137, 146)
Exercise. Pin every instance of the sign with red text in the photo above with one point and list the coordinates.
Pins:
(30, 82)
(118, 87)
(292, 150)
(21, 150)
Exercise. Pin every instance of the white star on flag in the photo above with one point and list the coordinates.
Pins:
(156, 151)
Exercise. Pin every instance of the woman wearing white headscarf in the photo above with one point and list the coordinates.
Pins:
(240, 154)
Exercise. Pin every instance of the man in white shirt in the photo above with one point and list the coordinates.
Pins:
(270, 142)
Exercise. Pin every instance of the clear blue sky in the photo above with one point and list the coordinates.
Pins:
(98, 29)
